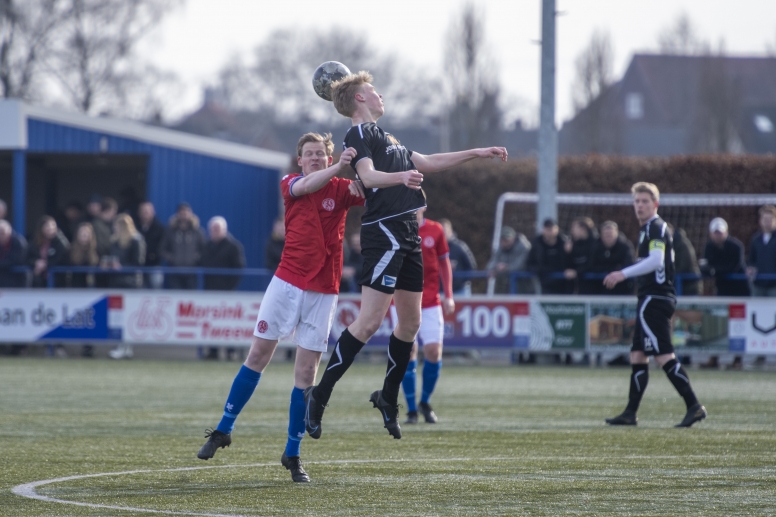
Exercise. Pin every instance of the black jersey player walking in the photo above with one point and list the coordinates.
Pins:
(393, 268)
(654, 272)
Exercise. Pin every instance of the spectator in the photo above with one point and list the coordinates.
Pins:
(49, 249)
(723, 256)
(353, 263)
(127, 250)
(274, 247)
(762, 253)
(103, 225)
(3, 210)
(461, 258)
(153, 233)
(612, 252)
(83, 252)
(685, 263)
(71, 217)
(583, 242)
(222, 251)
(182, 246)
(13, 251)
(511, 256)
(549, 260)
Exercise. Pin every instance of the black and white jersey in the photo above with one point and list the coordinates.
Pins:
(388, 155)
(655, 236)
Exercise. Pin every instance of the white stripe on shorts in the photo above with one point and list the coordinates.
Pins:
(386, 259)
(644, 326)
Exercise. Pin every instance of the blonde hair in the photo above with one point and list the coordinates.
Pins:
(343, 92)
(307, 138)
(125, 230)
(649, 188)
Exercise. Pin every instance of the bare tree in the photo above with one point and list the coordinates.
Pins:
(27, 32)
(595, 127)
(594, 70)
(681, 38)
(95, 59)
(471, 76)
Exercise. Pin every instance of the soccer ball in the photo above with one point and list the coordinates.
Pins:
(326, 74)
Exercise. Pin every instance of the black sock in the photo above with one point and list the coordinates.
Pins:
(638, 385)
(399, 353)
(681, 381)
(346, 350)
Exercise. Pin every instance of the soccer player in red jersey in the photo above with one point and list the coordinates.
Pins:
(302, 296)
(436, 268)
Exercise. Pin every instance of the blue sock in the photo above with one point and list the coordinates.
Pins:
(430, 378)
(408, 383)
(242, 389)
(295, 422)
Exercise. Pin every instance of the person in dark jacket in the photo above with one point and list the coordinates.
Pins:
(222, 251)
(723, 256)
(584, 237)
(352, 264)
(549, 260)
(182, 246)
(762, 253)
(274, 247)
(153, 232)
(13, 251)
(83, 253)
(48, 249)
(685, 263)
(461, 258)
(612, 252)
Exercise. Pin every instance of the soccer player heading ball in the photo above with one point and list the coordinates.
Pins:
(391, 176)
(654, 272)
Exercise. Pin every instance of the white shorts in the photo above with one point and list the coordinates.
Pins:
(304, 317)
(432, 324)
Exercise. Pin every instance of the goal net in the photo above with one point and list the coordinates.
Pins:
(689, 212)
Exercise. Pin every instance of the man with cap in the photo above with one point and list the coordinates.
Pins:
(549, 259)
(511, 255)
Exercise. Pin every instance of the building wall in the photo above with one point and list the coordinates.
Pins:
(246, 195)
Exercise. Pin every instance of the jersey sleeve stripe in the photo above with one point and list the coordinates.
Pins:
(291, 186)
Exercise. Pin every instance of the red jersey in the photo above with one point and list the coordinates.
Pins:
(434, 246)
(315, 228)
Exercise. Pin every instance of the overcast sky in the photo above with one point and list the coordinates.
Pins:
(196, 40)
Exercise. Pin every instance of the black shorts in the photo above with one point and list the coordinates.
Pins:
(652, 334)
(392, 255)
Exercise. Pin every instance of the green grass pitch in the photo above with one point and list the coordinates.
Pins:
(511, 441)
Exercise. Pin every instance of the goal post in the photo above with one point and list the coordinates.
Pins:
(690, 212)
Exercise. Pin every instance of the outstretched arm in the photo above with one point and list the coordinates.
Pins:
(317, 180)
(372, 178)
(442, 161)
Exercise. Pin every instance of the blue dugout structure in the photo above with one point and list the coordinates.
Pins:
(50, 157)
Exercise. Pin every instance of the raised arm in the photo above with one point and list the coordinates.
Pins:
(442, 161)
(372, 178)
(315, 181)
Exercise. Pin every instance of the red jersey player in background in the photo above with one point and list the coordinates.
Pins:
(436, 268)
(301, 298)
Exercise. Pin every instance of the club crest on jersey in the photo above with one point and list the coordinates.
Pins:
(328, 204)
(389, 281)
(262, 327)
(429, 242)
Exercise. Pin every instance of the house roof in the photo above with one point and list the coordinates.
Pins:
(14, 115)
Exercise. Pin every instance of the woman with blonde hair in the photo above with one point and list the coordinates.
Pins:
(127, 249)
